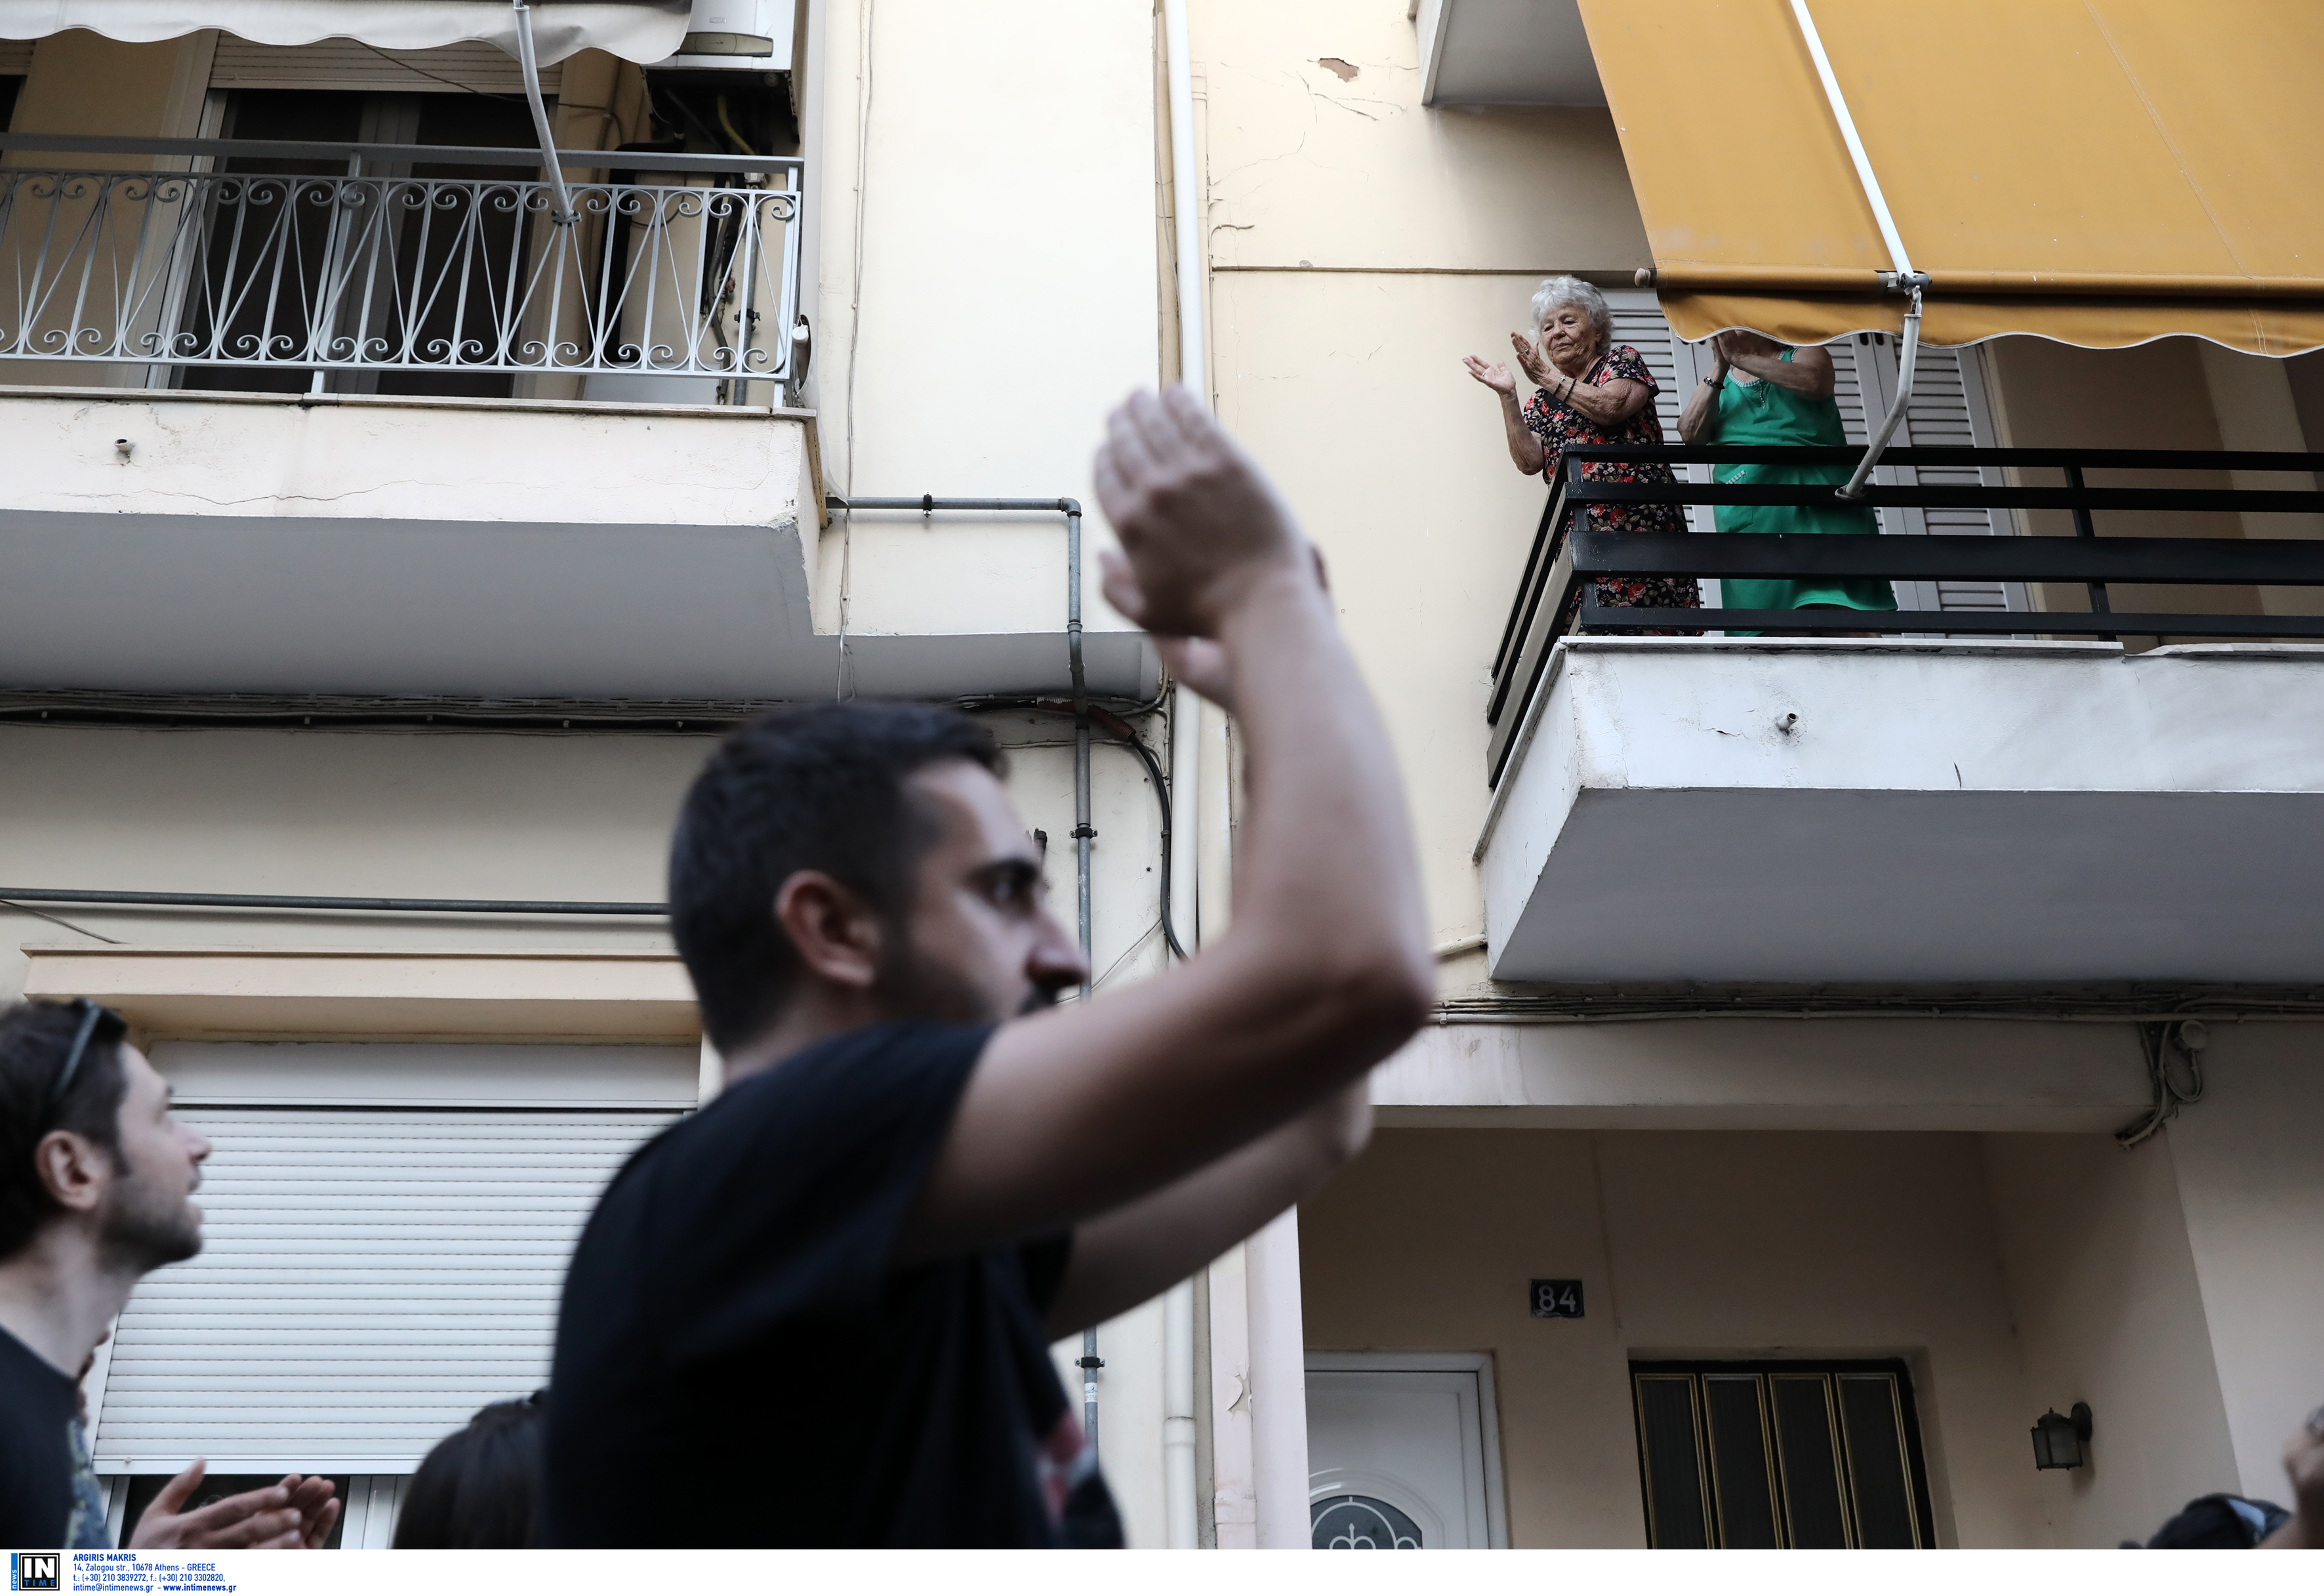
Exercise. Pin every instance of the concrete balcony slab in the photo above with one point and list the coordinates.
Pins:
(1778, 810)
(201, 543)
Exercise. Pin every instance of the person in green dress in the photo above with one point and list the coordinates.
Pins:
(1766, 393)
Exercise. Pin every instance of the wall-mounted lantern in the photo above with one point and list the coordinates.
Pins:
(2060, 1440)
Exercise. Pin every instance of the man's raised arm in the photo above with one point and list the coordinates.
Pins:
(1324, 971)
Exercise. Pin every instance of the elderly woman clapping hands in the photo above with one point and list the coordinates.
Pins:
(1589, 390)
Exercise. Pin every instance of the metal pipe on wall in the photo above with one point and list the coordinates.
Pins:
(1084, 834)
(1278, 1409)
(1180, 1483)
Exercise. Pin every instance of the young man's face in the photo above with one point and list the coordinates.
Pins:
(979, 944)
(147, 1216)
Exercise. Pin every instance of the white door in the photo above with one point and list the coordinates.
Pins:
(1403, 1452)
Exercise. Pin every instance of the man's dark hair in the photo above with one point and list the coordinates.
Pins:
(820, 788)
(34, 1039)
(479, 1488)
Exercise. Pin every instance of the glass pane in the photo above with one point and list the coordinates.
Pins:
(1803, 1442)
(1363, 1524)
(1674, 1516)
(1875, 1462)
(1739, 1461)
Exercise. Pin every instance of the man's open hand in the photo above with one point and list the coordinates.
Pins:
(2303, 1464)
(298, 1513)
(1200, 524)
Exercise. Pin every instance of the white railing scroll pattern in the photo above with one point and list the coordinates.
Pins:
(391, 266)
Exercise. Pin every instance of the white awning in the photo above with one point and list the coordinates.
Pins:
(636, 30)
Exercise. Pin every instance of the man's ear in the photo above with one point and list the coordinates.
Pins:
(833, 931)
(75, 1169)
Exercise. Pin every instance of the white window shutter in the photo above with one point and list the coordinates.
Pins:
(1677, 366)
(349, 66)
(371, 1278)
(1947, 411)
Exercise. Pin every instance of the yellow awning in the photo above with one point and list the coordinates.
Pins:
(2098, 171)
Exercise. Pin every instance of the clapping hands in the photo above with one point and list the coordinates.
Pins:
(296, 1514)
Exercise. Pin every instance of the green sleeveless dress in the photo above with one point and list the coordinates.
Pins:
(1766, 413)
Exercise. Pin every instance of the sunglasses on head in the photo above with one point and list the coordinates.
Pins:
(95, 1017)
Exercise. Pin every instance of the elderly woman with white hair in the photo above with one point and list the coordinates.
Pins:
(1590, 389)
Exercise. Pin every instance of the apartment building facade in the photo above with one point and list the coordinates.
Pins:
(1758, 1183)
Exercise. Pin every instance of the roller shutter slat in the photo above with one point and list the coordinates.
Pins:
(346, 65)
(369, 1280)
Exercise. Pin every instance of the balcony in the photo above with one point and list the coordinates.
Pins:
(1987, 798)
(350, 264)
(373, 421)
(1505, 53)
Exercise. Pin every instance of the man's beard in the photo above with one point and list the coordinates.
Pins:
(910, 987)
(141, 1230)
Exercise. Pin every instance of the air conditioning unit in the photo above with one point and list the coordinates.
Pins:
(736, 35)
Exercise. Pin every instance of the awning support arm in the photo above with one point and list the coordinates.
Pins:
(1907, 356)
(562, 215)
(1903, 279)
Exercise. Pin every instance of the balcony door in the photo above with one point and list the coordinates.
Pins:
(430, 271)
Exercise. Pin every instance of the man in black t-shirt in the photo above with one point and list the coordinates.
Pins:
(816, 1312)
(96, 1182)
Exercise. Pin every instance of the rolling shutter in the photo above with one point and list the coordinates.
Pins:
(347, 64)
(1638, 322)
(1948, 409)
(371, 1278)
(1947, 412)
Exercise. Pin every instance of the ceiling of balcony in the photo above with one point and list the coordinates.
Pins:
(197, 604)
(1506, 52)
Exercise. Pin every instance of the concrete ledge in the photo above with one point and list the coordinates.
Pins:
(243, 993)
(1768, 1074)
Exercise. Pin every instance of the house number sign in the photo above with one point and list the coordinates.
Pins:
(1556, 1299)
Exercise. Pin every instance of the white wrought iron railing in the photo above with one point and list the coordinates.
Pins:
(335, 258)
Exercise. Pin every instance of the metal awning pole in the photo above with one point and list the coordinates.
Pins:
(1904, 279)
(562, 215)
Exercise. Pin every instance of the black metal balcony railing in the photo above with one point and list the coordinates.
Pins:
(1568, 553)
(422, 261)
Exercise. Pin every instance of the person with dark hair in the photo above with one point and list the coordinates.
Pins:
(478, 1487)
(96, 1184)
(832, 1289)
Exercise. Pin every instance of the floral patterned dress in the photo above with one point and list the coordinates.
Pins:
(1558, 425)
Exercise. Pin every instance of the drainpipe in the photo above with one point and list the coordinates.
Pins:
(1083, 834)
(1277, 1407)
(563, 215)
(1180, 1484)
(1903, 279)
(1089, 1362)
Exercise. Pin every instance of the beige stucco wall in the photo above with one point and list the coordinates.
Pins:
(2153, 396)
(81, 82)
(1688, 1244)
(2102, 1283)
(1004, 295)
(443, 814)
(2250, 1163)
(1362, 244)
